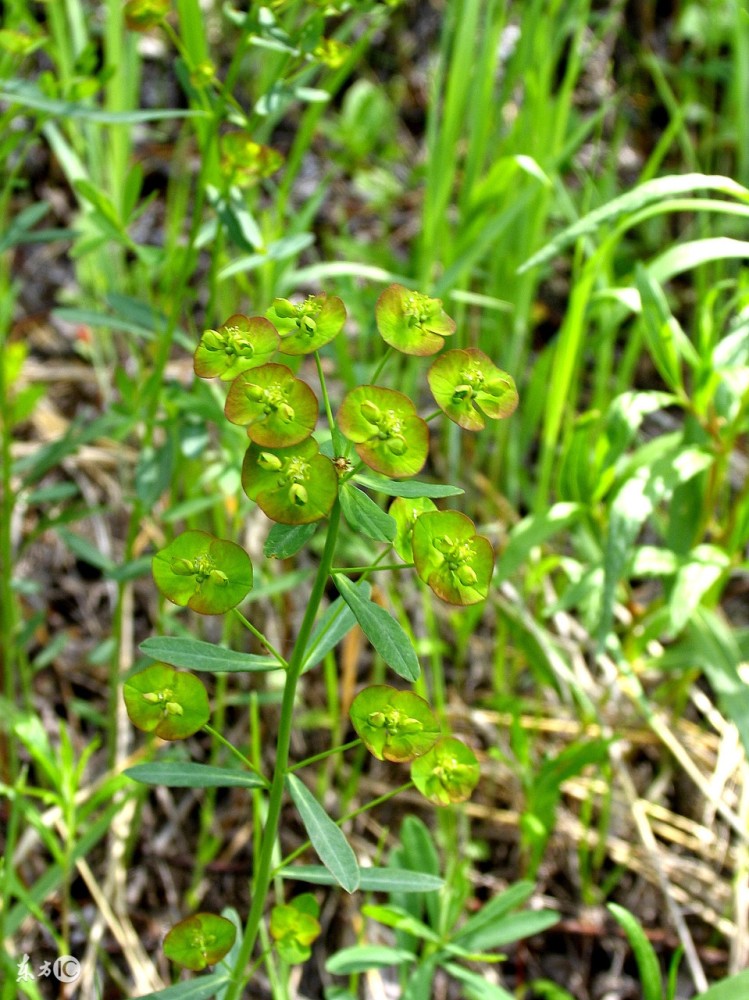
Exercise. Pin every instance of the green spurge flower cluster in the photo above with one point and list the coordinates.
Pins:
(299, 475)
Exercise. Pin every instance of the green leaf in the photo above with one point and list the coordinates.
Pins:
(451, 558)
(285, 540)
(401, 920)
(371, 879)
(412, 322)
(493, 912)
(169, 703)
(335, 622)
(477, 987)
(647, 961)
(532, 531)
(29, 96)
(327, 838)
(186, 774)
(411, 489)
(202, 988)
(446, 773)
(394, 725)
(383, 631)
(200, 940)
(389, 435)
(701, 569)
(204, 573)
(364, 515)
(732, 988)
(467, 386)
(657, 190)
(362, 957)
(206, 657)
(509, 929)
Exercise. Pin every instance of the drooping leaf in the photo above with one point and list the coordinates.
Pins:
(383, 631)
(394, 725)
(389, 435)
(412, 322)
(307, 326)
(468, 386)
(200, 940)
(446, 773)
(327, 838)
(278, 409)
(364, 515)
(203, 573)
(294, 485)
(170, 703)
(451, 558)
(238, 345)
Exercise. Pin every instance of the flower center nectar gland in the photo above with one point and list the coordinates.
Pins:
(202, 567)
(165, 698)
(456, 556)
(419, 308)
(394, 721)
(389, 426)
(273, 398)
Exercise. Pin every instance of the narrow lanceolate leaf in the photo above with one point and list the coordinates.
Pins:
(371, 879)
(364, 516)
(202, 988)
(412, 488)
(360, 958)
(645, 956)
(327, 838)
(285, 540)
(187, 774)
(194, 654)
(382, 630)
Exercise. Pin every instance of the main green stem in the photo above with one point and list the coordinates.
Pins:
(263, 872)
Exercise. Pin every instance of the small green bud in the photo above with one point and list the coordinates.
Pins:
(183, 567)
(284, 308)
(219, 578)
(151, 697)
(462, 392)
(212, 340)
(443, 544)
(298, 494)
(254, 392)
(371, 412)
(287, 412)
(308, 325)
(268, 461)
(466, 575)
(376, 719)
(173, 708)
(397, 444)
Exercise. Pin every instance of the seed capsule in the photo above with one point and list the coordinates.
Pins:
(268, 461)
(298, 494)
(371, 412)
(183, 567)
(397, 445)
(467, 576)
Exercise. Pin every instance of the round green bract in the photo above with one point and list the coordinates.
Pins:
(389, 435)
(291, 485)
(244, 162)
(278, 409)
(393, 725)
(199, 941)
(294, 926)
(171, 704)
(447, 773)
(467, 386)
(306, 326)
(451, 558)
(203, 573)
(412, 322)
(239, 344)
(404, 512)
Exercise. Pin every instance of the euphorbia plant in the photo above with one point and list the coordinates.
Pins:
(300, 474)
